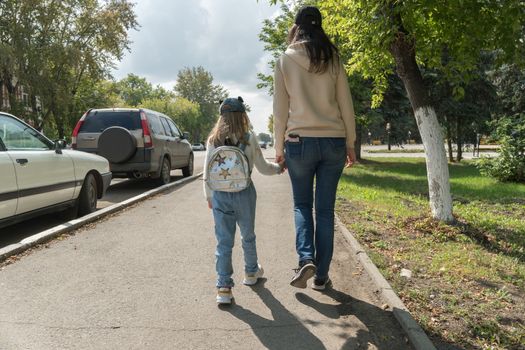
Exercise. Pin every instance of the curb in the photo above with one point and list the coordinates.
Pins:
(56, 231)
(415, 333)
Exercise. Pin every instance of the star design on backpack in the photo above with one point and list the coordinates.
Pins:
(225, 173)
(221, 160)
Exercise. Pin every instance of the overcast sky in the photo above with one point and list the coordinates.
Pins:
(220, 35)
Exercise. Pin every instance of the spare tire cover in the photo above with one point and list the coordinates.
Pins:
(116, 144)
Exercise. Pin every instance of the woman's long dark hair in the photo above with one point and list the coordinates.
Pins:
(321, 51)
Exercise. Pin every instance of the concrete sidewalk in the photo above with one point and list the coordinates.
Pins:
(144, 279)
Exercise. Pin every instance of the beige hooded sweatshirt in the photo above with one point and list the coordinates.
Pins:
(310, 104)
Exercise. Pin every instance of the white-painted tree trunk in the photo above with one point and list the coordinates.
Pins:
(437, 165)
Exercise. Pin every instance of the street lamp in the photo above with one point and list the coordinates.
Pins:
(388, 135)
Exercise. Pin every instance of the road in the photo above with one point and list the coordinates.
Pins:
(120, 190)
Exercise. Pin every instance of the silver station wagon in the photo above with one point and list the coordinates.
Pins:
(138, 143)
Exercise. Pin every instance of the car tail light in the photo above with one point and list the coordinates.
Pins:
(148, 143)
(76, 130)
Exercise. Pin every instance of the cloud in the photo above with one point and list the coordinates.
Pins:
(221, 36)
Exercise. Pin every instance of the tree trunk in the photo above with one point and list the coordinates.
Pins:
(459, 142)
(358, 141)
(403, 52)
(449, 142)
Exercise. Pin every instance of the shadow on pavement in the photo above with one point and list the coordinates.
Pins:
(284, 331)
(375, 320)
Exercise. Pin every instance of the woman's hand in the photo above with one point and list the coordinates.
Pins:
(279, 159)
(351, 159)
(210, 206)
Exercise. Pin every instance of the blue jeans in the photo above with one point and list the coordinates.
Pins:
(230, 209)
(322, 159)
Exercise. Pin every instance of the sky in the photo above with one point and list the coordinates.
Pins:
(220, 35)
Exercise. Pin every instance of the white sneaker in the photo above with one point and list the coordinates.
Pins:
(251, 278)
(224, 296)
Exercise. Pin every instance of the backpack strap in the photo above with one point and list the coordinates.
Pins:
(242, 145)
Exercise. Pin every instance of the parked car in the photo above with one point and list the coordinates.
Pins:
(263, 144)
(198, 147)
(138, 143)
(39, 176)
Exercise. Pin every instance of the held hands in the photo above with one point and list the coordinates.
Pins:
(210, 206)
(282, 164)
(351, 158)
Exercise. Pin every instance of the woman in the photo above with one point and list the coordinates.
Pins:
(314, 127)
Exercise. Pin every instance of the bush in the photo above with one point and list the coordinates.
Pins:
(510, 164)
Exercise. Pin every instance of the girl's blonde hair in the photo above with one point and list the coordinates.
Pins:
(230, 125)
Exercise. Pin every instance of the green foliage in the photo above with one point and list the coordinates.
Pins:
(51, 47)
(510, 164)
(184, 112)
(264, 137)
(270, 124)
(456, 29)
(196, 85)
(510, 82)
(134, 89)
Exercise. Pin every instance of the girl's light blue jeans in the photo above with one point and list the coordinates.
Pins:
(229, 210)
(322, 159)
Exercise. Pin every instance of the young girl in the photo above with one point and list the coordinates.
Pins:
(235, 208)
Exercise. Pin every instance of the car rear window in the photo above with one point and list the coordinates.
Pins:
(99, 121)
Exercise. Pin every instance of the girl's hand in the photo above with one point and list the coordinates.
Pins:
(351, 159)
(279, 159)
(282, 165)
(210, 206)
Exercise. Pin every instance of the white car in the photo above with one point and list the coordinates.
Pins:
(39, 176)
(198, 147)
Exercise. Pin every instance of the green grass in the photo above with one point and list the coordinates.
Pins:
(476, 268)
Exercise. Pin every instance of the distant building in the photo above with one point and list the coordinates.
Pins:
(21, 95)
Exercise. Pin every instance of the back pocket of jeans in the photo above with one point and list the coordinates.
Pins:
(294, 149)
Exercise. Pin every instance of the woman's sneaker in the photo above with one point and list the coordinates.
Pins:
(224, 295)
(321, 283)
(303, 273)
(251, 278)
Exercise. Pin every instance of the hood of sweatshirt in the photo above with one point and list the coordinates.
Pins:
(297, 52)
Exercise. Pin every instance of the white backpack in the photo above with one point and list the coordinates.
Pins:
(228, 169)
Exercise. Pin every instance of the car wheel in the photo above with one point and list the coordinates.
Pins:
(87, 200)
(165, 172)
(188, 170)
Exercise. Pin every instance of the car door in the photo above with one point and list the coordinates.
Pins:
(8, 186)
(44, 176)
(182, 148)
(171, 143)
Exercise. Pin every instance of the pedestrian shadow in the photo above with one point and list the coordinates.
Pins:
(380, 328)
(283, 331)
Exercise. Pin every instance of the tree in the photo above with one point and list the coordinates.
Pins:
(134, 89)
(263, 137)
(196, 85)
(270, 124)
(54, 45)
(406, 34)
(183, 112)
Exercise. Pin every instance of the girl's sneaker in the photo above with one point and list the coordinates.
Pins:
(321, 283)
(224, 295)
(251, 278)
